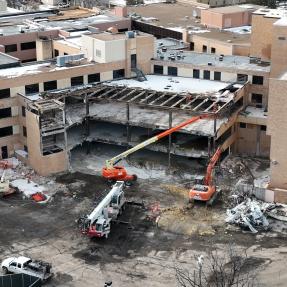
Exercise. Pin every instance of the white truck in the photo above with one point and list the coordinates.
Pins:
(98, 222)
(25, 265)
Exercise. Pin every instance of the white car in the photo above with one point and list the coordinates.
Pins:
(25, 265)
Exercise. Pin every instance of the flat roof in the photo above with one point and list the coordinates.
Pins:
(7, 61)
(202, 59)
(271, 13)
(173, 84)
(235, 8)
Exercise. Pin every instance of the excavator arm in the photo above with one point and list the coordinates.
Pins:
(110, 171)
(211, 165)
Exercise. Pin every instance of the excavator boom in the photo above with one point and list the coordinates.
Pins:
(210, 167)
(113, 172)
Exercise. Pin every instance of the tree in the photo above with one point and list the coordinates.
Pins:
(230, 270)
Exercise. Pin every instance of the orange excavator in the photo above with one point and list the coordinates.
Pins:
(206, 190)
(113, 172)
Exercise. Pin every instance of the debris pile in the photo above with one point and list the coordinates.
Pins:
(250, 214)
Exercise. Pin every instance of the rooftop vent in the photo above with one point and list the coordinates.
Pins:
(69, 59)
(130, 34)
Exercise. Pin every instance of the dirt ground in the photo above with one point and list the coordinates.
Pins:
(140, 252)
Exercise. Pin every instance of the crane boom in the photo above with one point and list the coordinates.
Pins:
(111, 162)
(212, 163)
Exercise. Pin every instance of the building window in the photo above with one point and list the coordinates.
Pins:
(242, 78)
(65, 54)
(204, 48)
(98, 53)
(28, 45)
(94, 78)
(23, 111)
(11, 48)
(29, 60)
(191, 46)
(206, 75)
(25, 148)
(24, 131)
(172, 71)
(50, 85)
(117, 74)
(7, 131)
(217, 76)
(263, 128)
(242, 125)
(32, 89)
(257, 80)
(213, 50)
(56, 53)
(256, 98)
(77, 81)
(5, 113)
(196, 73)
(157, 69)
(4, 93)
(281, 38)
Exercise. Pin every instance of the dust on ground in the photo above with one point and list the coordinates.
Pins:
(139, 251)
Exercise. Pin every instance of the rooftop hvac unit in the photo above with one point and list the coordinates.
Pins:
(63, 60)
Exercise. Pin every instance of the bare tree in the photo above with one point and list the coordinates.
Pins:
(230, 270)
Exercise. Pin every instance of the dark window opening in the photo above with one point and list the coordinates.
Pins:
(23, 111)
(31, 89)
(217, 76)
(50, 85)
(257, 80)
(94, 78)
(213, 50)
(133, 61)
(4, 151)
(256, 98)
(4, 93)
(5, 113)
(25, 148)
(196, 74)
(242, 125)
(123, 30)
(11, 48)
(29, 60)
(76, 81)
(206, 75)
(65, 54)
(172, 71)
(157, 69)
(263, 128)
(117, 74)
(242, 78)
(56, 52)
(24, 131)
(204, 48)
(28, 45)
(191, 46)
(7, 131)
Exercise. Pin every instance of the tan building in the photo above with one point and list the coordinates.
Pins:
(228, 16)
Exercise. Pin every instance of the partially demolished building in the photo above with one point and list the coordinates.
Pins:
(86, 95)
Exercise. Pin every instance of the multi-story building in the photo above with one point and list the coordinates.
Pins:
(49, 106)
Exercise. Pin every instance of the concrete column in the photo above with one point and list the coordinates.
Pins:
(128, 122)
(87, 122)
(169, 138)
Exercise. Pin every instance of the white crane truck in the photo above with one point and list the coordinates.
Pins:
(98, 222)
(26, 265)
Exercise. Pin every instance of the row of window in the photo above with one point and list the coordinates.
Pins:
(8, 131)
(24, 46)
(204, 48)
(244, 126)
(172, 71)
(52, 85)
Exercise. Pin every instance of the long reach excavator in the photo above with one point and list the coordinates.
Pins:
(114, 172)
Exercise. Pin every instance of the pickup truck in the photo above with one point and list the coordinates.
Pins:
(25, 265)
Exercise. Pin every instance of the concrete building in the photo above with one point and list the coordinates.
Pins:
(228, 16)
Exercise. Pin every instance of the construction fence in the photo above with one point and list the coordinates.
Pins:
(19, 280)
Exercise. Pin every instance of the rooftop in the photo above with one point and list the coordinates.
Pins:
(271, 13)
(203, 59)
(235, 8)
(7, 61)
